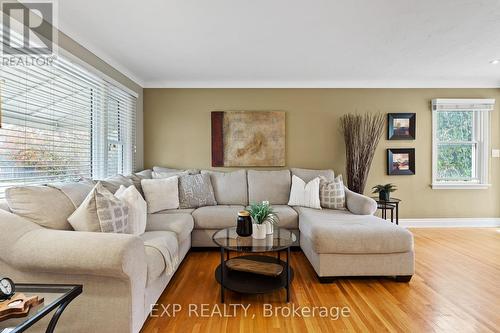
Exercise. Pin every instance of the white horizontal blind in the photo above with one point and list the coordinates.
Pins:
(61, 122)
(121, 110)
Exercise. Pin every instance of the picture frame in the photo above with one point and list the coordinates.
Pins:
(401, 126)
(401, 161)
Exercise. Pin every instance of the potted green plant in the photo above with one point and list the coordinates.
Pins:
(384, 191)
(263, 218)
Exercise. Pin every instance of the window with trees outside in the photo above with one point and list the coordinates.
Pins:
(62, 122)
(460, 145)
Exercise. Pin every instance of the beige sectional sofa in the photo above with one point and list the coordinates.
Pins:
(124, 274)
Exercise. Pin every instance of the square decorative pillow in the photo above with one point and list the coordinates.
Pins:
(161, 193)
(196, 191)
(332, 193)
(137, 209)
(101, 211)
(305, 195)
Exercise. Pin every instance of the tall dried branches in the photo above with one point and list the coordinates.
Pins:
(362, 134)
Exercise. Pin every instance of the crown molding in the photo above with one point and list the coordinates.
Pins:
(322, 84)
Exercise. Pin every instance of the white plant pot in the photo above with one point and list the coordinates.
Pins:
(259, 231)
(269, 227)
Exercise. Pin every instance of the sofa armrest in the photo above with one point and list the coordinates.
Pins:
(359, 204)
(26, 246)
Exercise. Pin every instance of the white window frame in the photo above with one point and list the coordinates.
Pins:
(481, 109)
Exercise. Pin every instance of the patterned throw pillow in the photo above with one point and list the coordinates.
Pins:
(101, 211)
(332, 193)
(196, 191)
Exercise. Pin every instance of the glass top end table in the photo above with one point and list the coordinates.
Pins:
(56, 296)
(248, 282)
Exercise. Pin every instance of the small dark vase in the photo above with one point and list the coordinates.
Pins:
(384, 195)
(244, 224)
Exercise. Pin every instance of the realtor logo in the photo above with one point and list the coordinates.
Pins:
(28, 28)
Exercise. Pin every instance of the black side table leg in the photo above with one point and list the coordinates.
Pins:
(288, 274)
(397, 213)
(392, 215)
(57, 314)
(223, 271)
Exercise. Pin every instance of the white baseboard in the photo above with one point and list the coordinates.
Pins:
(459, 222)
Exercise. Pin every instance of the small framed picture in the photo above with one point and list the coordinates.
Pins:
(401, 126)
(401, 161)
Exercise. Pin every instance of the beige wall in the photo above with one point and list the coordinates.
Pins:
(177, 134)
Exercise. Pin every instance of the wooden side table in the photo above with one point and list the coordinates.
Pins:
(392, 204)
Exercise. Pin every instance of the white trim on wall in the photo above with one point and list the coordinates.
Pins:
(432, 84)
(459, 222)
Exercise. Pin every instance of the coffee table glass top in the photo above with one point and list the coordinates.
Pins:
(53, 295)
(279, 240)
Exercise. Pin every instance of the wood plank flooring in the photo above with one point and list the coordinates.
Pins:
(456, 289)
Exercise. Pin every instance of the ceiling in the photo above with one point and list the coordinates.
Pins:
(292, 43)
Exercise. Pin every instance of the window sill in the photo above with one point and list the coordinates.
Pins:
(461, 186)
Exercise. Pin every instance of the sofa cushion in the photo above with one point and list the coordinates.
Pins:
(101, 211)
(75, 191)
(230, 188)
(136, 180)
(43, 205)
(114, 183)
(4, 206)
(338, 231)
(309, 174)
(216, 217)
(162, 253)
(289, 218)
(196, 191)
(272, 186)
(177, 211)
(164, 174)
(180, 223)
(145, 174)
(172, 170)
(161, 193)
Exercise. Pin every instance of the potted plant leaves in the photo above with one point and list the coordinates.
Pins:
(384, 191)
(263, 219)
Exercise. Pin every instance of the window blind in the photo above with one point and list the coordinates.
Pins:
(61, 122)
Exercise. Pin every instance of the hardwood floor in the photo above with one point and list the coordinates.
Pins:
(456, 289)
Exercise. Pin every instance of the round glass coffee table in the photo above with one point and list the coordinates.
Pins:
(249, 282)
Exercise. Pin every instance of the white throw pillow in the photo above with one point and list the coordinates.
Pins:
(137, 209)
(161, 193)
(305, 195)
(101, 211)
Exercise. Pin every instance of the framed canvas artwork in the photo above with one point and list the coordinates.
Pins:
(248, 138)
(401, 126)
(401, 161)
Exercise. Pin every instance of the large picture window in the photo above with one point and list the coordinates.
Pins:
(461, 143)
(62, 122)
